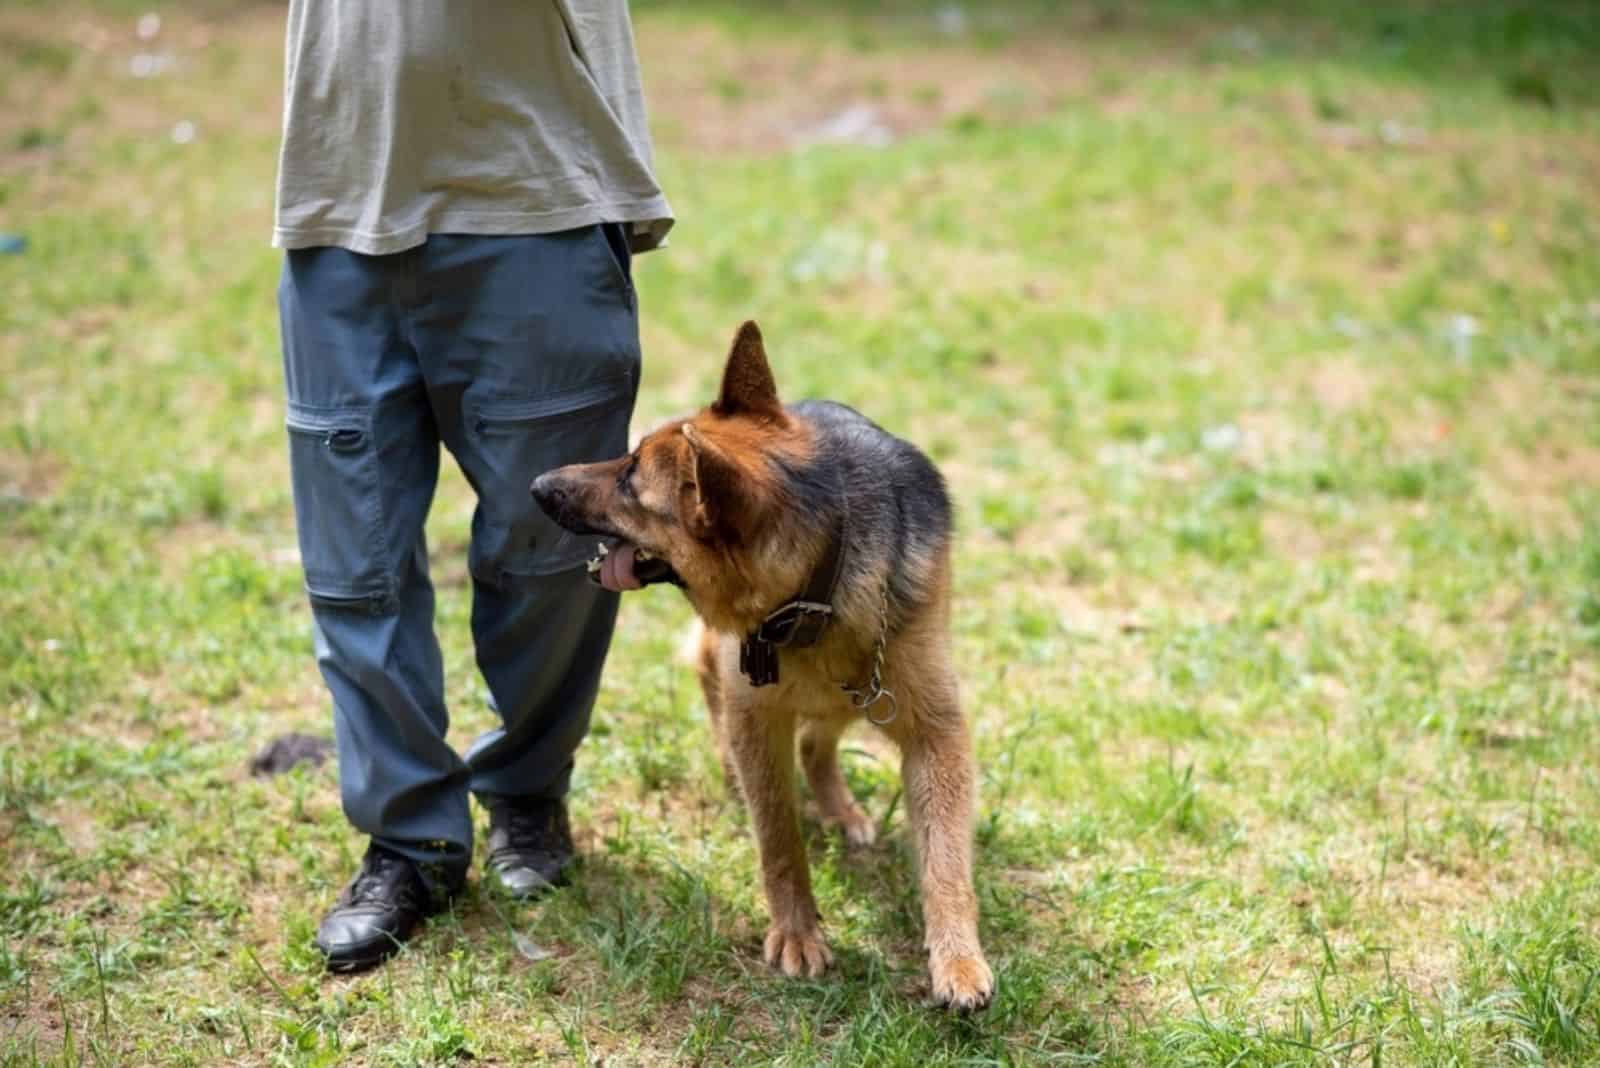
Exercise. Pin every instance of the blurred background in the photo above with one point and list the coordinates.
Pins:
(1261, 346)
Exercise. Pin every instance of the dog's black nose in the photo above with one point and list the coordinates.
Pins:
(548, 492)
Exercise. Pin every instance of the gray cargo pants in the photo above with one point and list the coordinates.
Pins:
(519, 354)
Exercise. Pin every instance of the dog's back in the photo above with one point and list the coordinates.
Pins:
(896, 509)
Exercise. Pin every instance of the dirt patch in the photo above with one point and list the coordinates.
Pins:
(1583, 681)
(709, 88)
(1341, 385)
(26, 478)
(712, 91)
(1049, 535)
(1293, 536)
(1536, 484)
(39, 1025)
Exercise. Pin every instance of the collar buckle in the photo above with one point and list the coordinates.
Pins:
(798, 623)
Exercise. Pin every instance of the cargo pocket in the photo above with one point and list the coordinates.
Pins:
(516, 441)
(338, 507)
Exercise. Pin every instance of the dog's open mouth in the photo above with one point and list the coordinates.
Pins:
(612, 566)
(620, 565)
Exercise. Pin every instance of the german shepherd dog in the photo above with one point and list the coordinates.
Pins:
(815, 548)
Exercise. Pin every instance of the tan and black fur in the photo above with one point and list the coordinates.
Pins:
(742, 501)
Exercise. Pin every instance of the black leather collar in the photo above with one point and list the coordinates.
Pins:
(799, 622)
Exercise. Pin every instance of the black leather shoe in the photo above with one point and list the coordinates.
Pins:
(386, 901)
(530, 844)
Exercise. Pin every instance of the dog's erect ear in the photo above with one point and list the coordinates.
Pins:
(711, 490)
(748, 387)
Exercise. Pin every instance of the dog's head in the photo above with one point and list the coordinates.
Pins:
(710, 496)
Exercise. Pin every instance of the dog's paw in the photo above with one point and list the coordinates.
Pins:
(857, 827)
(859, 830)
(962, 983)
(797, 953)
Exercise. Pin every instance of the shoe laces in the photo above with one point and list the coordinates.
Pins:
(381, 880)
(535, 826)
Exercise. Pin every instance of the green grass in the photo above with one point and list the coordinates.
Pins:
(1263, 354)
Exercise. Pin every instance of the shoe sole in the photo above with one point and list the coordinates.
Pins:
(348, 965)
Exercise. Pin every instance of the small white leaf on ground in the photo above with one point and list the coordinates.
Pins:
(1393, 132)
(1349, 326)
(1245, 40)
(951, 20)
(1460, 331)
(1224, 438)
(149, 64)
(531, 949)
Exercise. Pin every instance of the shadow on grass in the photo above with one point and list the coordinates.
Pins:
(648, 931)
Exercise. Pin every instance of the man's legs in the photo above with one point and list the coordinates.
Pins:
(531, 352)
(364, 456)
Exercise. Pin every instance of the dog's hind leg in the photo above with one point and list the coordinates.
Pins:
(819, 756)
(762, 741)
(938, 773)
(940, 786)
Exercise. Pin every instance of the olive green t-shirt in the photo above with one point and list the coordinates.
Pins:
(409, 117)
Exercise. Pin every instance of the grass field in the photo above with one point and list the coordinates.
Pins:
(1262, 352)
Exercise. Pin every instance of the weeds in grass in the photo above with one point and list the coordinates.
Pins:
(1259, 349)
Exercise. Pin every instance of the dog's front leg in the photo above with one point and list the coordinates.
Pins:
(939, 782)
(761, 736)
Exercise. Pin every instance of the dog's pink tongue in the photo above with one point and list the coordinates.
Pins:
(616, 570)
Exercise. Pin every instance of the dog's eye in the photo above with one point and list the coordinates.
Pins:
(625, 480)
